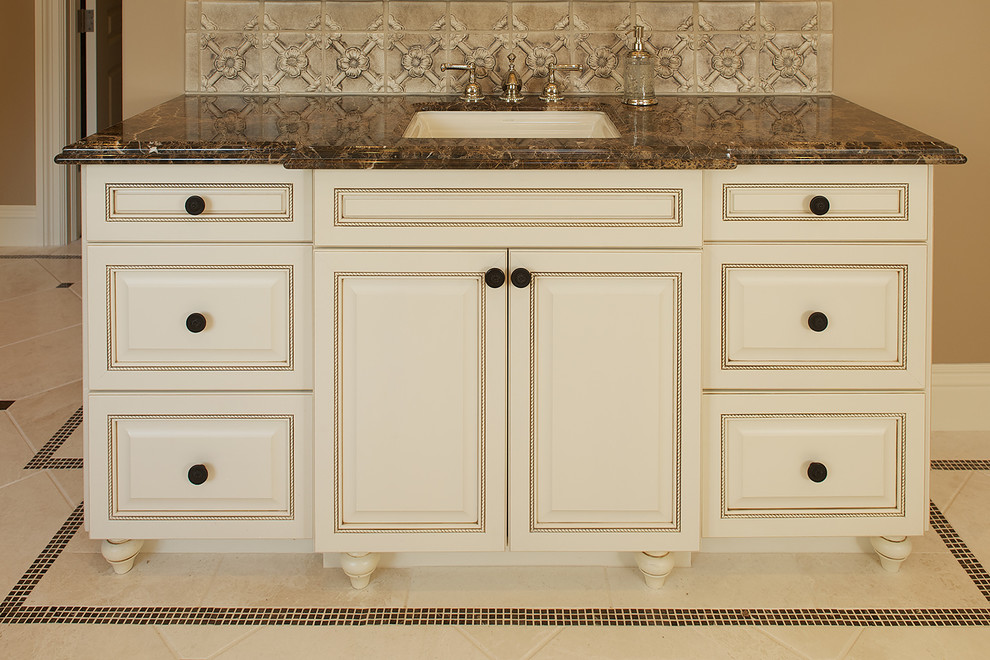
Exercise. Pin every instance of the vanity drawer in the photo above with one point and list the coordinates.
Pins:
(816, 317)
(200, 466)
(497, 208)
(851, 202)
(197, 203)
(197, 317)
(818, 465)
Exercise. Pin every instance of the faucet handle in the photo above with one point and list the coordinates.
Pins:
(551, 91)
(472, 91)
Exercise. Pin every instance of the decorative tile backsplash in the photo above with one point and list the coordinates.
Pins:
(397, 46)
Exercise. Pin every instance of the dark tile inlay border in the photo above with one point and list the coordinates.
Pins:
(960, 464)
(44, 460)
(5, 404)
(64, 285)
(12, 609)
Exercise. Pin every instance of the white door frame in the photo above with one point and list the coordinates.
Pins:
(56, 114)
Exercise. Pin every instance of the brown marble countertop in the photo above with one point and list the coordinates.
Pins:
(363, 132)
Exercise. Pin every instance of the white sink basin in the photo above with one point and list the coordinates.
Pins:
(511, 124)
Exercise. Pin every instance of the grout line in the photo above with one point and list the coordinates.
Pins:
(43, 334)
(847, 649)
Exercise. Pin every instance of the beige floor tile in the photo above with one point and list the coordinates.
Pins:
(75, 247)
(70, 484)
(81, 543)
(201, 642)
(930, 542)
(77, 289)
(169, 580)
(509, 642)
(633, 643)
(364, 643)
(572, 586)
(40, 364)
(64, 270)
(924, 580)
(41, 415)
(719, 580)
(31, 511)
(14, 452)
(921, 643)
(961, 444)
(37, 314)
(299, 580)
(19, 277)
(81, 642)
(944, 485)
(968, 515)
(815, 642)
(72, 447)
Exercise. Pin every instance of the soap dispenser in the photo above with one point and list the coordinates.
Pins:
(637, 79)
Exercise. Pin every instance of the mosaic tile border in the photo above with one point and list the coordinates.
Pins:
(12, 609)
(398, 46)
(40, 256)
(960, 464)
(44, 459)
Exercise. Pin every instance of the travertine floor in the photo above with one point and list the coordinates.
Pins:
(40, 370)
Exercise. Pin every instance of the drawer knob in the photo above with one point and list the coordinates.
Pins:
(819, 205)
(494, 278)
(195, 205)
(198, 474)
(817, 472)
(195, 322)
(521, 278)
(817, 321)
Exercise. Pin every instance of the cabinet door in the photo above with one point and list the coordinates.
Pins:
(410, 441)
(604, 391)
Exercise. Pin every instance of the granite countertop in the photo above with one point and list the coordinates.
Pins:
(680, 132)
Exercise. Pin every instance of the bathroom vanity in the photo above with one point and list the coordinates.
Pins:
(716, 325)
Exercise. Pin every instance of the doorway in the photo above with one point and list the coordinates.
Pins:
(102, 65)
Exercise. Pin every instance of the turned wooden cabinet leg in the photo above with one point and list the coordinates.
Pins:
(359, 566)
(892, 551)
(655, 567)
(120, 553)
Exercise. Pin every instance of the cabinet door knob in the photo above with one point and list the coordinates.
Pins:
(195, 322)
(817, 472)
(195, 205)
(521, 278)
(494, 277)
(198, 474)
(819, 205)
(817, 321)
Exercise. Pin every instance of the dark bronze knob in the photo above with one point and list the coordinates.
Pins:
(494, 277)
(819, 205)
(195, 205)
(817, 472)
(196, 322)
(521, 278)
(817, 321)
(198, 474)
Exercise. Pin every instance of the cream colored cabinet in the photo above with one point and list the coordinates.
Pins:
(602, 389)
(562, 360)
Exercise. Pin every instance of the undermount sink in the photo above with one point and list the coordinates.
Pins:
(511, 124)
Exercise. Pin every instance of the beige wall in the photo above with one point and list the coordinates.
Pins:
(154, 65)
(17, 111)
(919, 62)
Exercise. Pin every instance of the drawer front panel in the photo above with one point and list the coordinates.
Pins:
(812, 316)
(802, 464)
(496, 208)
(772, 203)
(251, 454)
(239, 203)
(250, 331)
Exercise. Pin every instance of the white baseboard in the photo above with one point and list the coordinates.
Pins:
(19, 226)
(961, 397)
